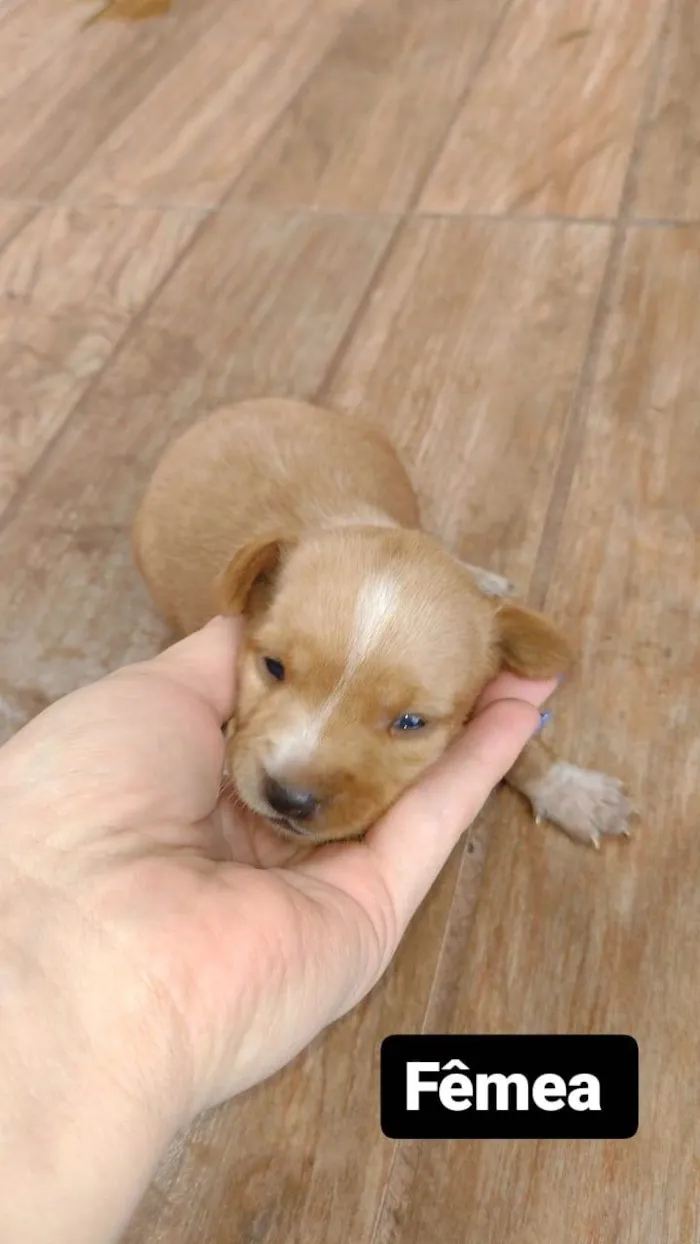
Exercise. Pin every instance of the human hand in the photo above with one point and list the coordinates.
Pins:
(182, 950)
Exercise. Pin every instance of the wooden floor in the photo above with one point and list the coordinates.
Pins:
(480, 223)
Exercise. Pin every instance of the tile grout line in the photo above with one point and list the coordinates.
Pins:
(575, 425)
(37, 468)
(229, 203)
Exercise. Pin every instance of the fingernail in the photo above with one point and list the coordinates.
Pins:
(545, 719)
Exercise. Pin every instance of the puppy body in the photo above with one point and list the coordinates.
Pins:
(248, 471)
(367, 643)
(255, 468)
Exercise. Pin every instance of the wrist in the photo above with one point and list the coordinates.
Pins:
(92, 1080)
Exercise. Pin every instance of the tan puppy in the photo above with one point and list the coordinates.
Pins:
(367, 643)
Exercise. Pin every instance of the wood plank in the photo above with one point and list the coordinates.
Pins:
(31, 32)
(13, 217)
(669, 177)
(567, 940)
(463, 307)
(259, 305)
(549, 125)
(284, 1162)
(360, 133)
(194, 133)
(52, 122)
(71, 283)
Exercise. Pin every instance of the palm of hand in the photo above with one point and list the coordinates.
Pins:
(247, 946)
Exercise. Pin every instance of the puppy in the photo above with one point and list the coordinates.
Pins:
(367, 643)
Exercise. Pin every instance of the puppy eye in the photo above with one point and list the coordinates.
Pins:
(408, 721)
(275, 668)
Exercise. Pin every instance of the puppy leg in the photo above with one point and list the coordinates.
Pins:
(489, 583)
(587, 805)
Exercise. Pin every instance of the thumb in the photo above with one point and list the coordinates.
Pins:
(416, 837)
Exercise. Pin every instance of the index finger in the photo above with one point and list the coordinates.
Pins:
(205, 662)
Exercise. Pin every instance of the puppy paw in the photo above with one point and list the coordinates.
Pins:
(587, 805)
(492, 584)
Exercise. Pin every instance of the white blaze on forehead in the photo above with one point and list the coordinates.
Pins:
(376, 605)
(375, 609)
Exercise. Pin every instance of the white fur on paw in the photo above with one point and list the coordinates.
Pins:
(492, 584)
(587, 805)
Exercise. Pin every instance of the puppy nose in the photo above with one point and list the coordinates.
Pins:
(288, 800)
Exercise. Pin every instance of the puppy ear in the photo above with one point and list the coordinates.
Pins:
(530, 644)
(244, 586)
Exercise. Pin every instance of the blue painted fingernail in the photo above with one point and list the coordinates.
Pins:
(545, 719)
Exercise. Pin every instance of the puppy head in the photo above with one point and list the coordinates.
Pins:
(365, 651)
